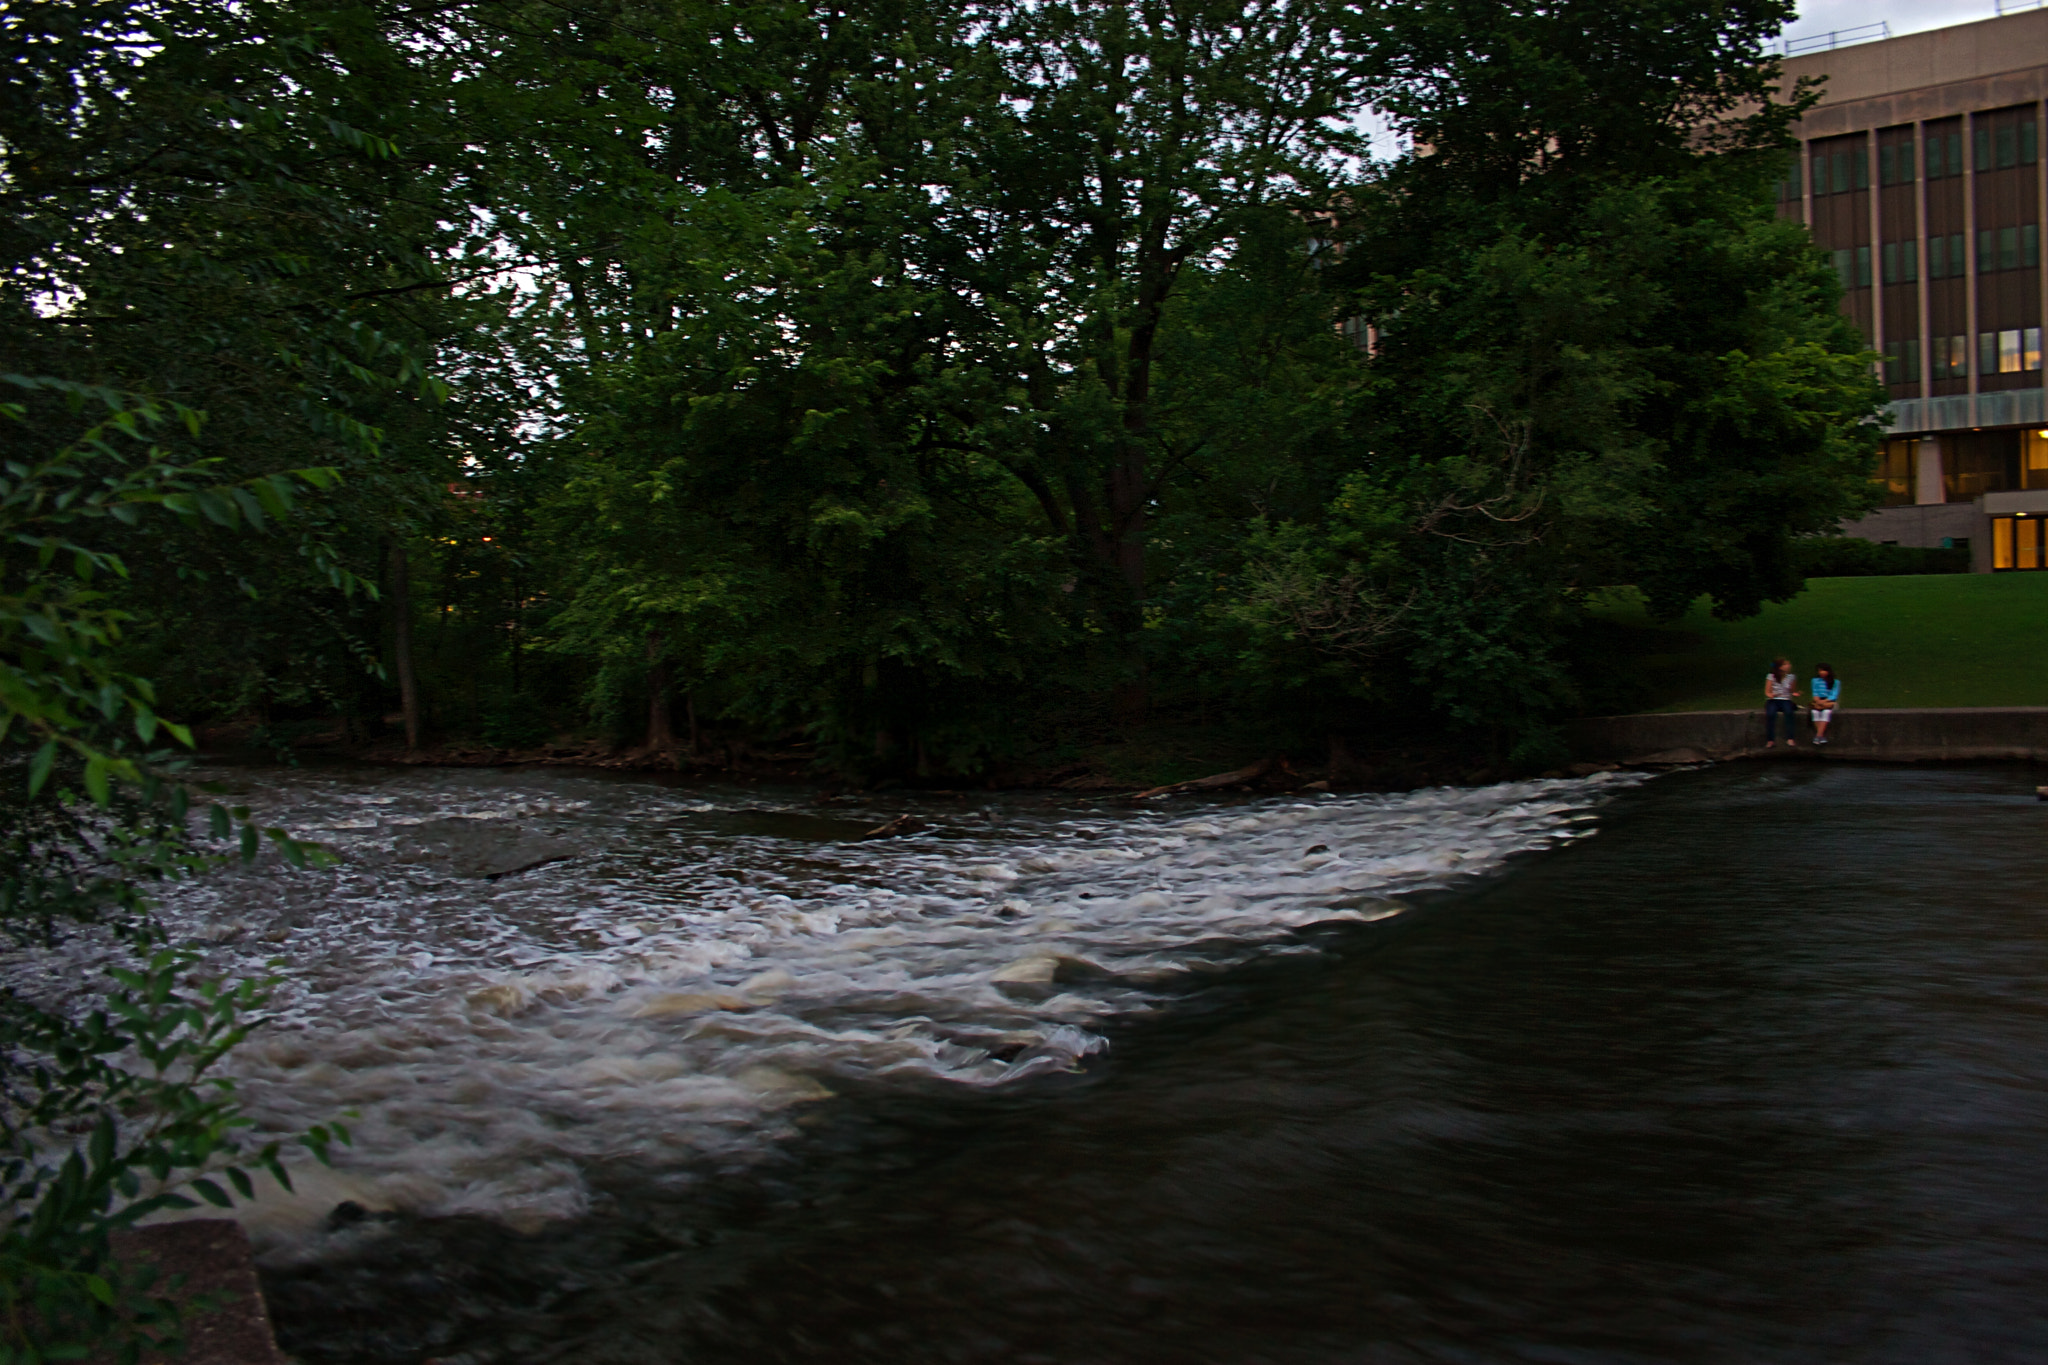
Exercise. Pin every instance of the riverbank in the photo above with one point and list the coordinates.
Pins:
(1171, 760)
(1884, 734)
(1161, 755)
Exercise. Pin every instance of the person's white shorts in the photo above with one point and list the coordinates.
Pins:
(1822, 715)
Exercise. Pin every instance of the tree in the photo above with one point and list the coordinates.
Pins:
(1597, 357)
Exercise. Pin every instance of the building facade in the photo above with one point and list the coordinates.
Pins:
(1921, 176)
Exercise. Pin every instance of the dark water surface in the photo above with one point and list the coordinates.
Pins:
(1759, 1073)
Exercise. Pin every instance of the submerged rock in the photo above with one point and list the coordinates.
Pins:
(480, 848)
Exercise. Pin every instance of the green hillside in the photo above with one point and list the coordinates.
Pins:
(1932, 640)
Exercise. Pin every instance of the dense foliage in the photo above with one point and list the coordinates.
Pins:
(926, 378)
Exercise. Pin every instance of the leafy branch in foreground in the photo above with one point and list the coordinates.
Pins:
(105, 1121)
(115, 1115)
(57, 633)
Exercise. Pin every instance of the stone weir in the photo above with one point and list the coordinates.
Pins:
(1894, 734)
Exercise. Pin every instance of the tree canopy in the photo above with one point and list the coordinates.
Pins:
(926, 377)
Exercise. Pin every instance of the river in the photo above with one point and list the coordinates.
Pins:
(1756, 1072)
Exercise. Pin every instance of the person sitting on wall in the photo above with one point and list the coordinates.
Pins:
(1827, 690)
(1781, 689)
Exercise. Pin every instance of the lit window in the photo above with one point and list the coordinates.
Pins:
(2030, 348)
(2034, 459)
(1951, 357)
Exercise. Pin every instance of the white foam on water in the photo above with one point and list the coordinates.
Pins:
(704, 969)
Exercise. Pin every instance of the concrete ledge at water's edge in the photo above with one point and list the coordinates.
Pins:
(1888, 734)
(213, 1258)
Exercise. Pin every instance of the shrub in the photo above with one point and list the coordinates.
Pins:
(1849, 557)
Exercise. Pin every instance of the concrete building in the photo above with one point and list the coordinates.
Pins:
(1920, 174)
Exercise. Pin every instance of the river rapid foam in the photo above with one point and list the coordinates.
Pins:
(711, 961)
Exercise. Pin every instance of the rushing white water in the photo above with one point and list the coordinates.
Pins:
(707, 963)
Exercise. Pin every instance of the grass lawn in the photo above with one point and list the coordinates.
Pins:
(1923, 640)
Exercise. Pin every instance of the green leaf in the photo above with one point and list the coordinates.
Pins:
(249, 844)
(213, 1194)
(96, 785)
(251, 508)
(39, 767)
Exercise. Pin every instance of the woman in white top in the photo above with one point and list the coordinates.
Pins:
(1781, 688)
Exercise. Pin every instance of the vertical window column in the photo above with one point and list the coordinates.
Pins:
(1920, 136)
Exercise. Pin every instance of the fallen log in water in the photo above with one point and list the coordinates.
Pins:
(1248, 774)
(897, 828)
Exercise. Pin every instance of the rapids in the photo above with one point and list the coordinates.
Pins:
(711, 962)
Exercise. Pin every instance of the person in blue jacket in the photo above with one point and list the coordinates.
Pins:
(1827, 691)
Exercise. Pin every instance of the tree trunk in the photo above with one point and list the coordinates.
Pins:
(661, 734)
(401, 644)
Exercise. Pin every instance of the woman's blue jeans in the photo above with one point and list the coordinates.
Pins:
(1774, 708)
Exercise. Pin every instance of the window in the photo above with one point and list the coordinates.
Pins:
(1901, 262)
(1840, 172)
(1945, 257)
(1944, 155)
(2002, 142)
(1852, 264)
(2034, 459)
(2008, 248)
(1788, 187)
(1895, 164)
(1895, 472)
(1902, 362)
(1951, 357)
(2016, 542)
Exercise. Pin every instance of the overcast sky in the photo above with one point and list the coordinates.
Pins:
(1905, 16)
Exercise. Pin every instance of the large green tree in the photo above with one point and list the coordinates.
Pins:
(1595, 356)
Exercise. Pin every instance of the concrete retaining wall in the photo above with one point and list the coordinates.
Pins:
(1898, 734)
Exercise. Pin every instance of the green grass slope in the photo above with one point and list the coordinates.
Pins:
(1932, 640)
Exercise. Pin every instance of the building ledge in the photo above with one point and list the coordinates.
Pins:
(2006, 504)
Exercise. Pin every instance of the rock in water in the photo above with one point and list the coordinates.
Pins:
(480, 848)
